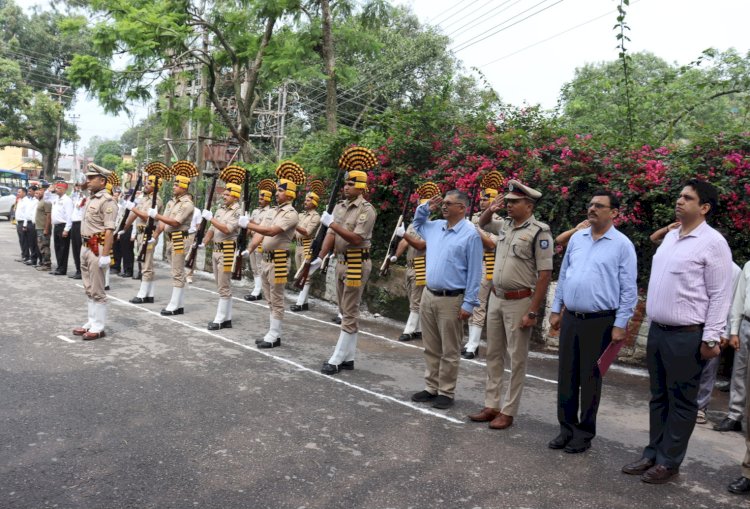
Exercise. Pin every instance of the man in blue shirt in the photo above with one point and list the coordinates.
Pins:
(454, 271)
(597, 287)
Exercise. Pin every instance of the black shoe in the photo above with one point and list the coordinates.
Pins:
(114, 268)
(77, 275)
(59, 273)
(423, 397)
(406, 337)
(442, 402)
(336, 320)
(329, 369)
(559, 442)
(106, 287)
(728, 425)
(740, 486)
(29, 262)
(297, 308)
(226, 324)
(416, 335)
(266, 344)
(142, 300)
(577, 446)
(722, 385)
(469, 355)
(21, 260)
(349, 365)
(178, 311)
(250, 297)
(126, 274)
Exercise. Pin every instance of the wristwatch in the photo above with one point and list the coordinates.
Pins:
(531, 314)
(712, 343)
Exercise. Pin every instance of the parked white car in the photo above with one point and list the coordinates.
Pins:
(7, 200)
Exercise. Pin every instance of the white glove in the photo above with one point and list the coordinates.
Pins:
(191, 231)
(152, 213)
(119, 233)
(201, 246)
(400, 231)
(315, 264)
(104, 261)
(151, 240)
(394, 258)
(132, 235)
(245, 253)
(326, 219)
(244, 221)
(207, 214)
(129, 205)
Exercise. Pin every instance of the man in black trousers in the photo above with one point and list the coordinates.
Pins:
(62, 222)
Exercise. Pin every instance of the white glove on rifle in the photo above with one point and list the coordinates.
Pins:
(129, 205)
(207, 214)
(245, 253)
(151, 240)
(326, 219)
(315, 264)
(243, 221)
(394, 258)
(118, 233)
(400, 231)
(152, 213)
(104, 261)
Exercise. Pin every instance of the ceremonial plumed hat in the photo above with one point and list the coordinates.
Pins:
(234, 176)
(266, 188)
(491, 183)
(427, 190)
(316, 191)
(183, 172)
(356, 161)
(291, 176)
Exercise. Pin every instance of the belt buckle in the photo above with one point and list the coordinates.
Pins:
(580, 316)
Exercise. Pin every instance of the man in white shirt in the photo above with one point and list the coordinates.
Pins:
(62, 222)
(194, 225)
(19, 215)
(29, 229)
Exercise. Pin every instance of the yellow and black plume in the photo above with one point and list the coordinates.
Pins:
(113, 179)
(317, 187)
(267, 185)
(292, 171)
(158, 169)
(358, 158)
(233, 174)
(492, 180)
(428, 190)
(184, 169)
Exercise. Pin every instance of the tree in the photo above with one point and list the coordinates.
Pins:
(108, 148)
(35, 50)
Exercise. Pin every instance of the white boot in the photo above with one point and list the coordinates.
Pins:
(174, 307)
(99, 317)
(302, 297)
(90, 316)
(150, 289)
(472, 346)
(273, 336)
(349, 358)
(228, 311)
(143, 290)
(221, 313)
(343, 348)
(223, 319)
(258, 286)
(106, 278)
(411, 326)
(181, 299)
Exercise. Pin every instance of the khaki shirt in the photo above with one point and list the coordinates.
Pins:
(180, 209)
(144, 203)
(483, 231)
(358, 217)
(42, 211)
(309, 220)
(100, 214)
(521, 252)
(412, 253)
(286, 218)
(230, 217)
(259, 214)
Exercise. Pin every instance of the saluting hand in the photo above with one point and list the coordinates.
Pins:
(498, 203)
(435, 203)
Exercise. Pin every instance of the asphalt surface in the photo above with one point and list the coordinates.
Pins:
(163, 413)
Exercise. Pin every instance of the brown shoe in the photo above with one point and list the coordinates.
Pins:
(638, 467)
(659, 474)
(93, 335)
(486, 415)
(79, 331)
(502, 421)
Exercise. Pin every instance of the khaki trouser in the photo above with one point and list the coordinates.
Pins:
(273, 292)
(413, 291)
(349, 297)
(506, 337)
(223, 279)
(188, 243)
(92, 276)
(43, 243)
(480, 312)
(256, 262)
(147, 267)
(299, 256)
(179, 277)
(442, 332)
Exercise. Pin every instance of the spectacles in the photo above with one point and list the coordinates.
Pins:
(449, 203)
(598, 206)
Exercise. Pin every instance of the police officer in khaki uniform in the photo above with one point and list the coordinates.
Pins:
(175, 222)
(275, 233)
(309, 221)
(349, 235)
(43, 223)
(97, 228)
(223, 232)
(416, 275)
(256, 257)
(523, 266)
(489, 242)
(139, 216)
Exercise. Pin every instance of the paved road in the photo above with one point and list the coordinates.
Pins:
(163, 413)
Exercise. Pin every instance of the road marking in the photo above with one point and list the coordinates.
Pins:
(297, 365)
(65, 339)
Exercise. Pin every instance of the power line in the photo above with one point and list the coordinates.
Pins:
(466, 14)
(477, 39)
(440, 14)
(460, 30)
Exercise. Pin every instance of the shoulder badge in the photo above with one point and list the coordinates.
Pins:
(543, 243)
(108, 210)
(363, 216)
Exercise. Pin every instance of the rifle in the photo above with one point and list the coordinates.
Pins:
(317, 245)
(150, 226)
(242, 237)
(393, 244)
(190, 257)
(474, 201)
(130, 198)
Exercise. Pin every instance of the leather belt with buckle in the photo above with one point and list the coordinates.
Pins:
(593, 314)
(697, 327)
(445, 293)
(513, 294)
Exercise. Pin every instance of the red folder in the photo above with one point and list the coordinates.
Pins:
(609, 356)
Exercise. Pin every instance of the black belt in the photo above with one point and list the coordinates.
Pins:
(445, 293)
(593, 314)
(696, 327)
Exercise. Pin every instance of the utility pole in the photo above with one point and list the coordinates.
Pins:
(59, 90)
(76, 167)
(282, 118)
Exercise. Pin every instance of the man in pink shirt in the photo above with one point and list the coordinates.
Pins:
(689, 293)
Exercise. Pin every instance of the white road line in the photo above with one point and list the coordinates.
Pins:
(65, 339)
(296, 365)
(399, 343)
